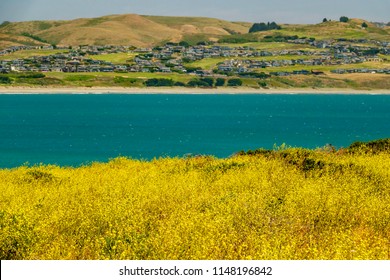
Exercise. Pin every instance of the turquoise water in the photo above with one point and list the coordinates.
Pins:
(79, 129)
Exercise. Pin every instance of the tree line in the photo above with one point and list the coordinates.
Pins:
(256, 27)
(206, 82)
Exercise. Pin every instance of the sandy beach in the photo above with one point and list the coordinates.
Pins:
(181, 90)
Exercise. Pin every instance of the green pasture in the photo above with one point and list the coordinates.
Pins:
(116, 58)
(30, 53)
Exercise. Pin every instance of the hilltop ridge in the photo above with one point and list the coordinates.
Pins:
(148, 31)
(128, 29)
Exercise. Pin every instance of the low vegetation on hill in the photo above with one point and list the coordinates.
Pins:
(137, 30)
(288, 203)
(142, 31)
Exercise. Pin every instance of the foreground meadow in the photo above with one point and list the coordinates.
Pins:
(284, 204)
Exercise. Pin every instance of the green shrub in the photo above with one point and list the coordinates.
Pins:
(381, 145)
(159, 82)
(197, 83)
(5, 80)
(234, 82)
(220, 82)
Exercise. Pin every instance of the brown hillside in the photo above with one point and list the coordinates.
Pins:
(127, 29)
(147, 31)
(9, 40)
(115, 30)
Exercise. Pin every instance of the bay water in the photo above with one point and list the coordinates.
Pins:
(76, 129)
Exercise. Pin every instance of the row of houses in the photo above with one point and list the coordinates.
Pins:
(361, 70)
(81, 49)
(241, 66)
(172, 57)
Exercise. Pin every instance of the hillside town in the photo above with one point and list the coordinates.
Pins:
(177, 58)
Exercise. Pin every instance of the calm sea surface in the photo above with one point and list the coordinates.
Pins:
(79, 129)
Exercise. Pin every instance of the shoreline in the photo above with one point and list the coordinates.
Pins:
(183, 90)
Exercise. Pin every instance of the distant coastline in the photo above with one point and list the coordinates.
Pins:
(181, 90)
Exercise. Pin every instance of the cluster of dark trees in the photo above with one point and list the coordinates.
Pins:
(264, 27)
(5, 80)
(342, 19)
(206, 82)
(37, 38)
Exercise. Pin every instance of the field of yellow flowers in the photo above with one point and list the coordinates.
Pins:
(283, 204)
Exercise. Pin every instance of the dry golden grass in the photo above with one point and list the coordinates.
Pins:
(289, 204)
(142, 31)
(127, 29)
(9, 40)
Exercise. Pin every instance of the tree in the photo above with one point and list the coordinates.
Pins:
(179, 84)
(159, 83)
(234, 82)
(324, 20)
(364, 25)
(344, 19)
(220, 82)
(184, 44)
(262, 84)
(209, 81)
(5, 80)
(256, 27)
(197, 83)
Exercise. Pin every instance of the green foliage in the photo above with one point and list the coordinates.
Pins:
(220, 82)
(262, 84)
(208, 80)
(159, 82)
(179, 84)
(32, 75)
(325, 20)
(364, 25)
(202, 43)
(40, 82)
(256, 27)
(234, 82)
(5, 23)
(184, 44)
(5, 80)
(260, 75)
(198, 83)
(344, 19)
(381, 145)
(37, 38)
(280, 38)
(238, 39)
(125, 81)
(191, 69)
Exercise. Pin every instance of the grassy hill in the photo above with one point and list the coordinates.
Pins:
(9, 40)
(146, 31)
(127, 29)
(335, 29)
(326, 30)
